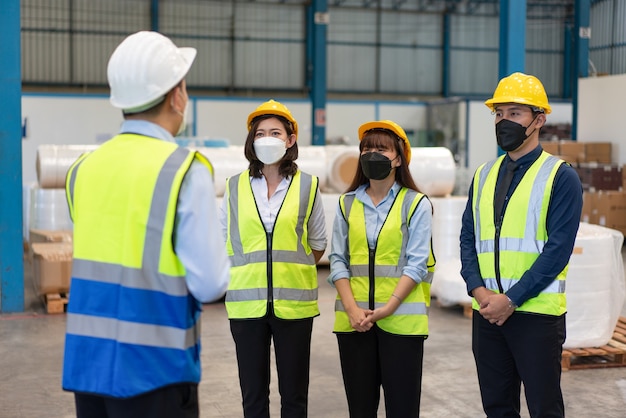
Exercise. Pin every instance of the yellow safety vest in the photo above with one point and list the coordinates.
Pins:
(130, 307)
(523, 232)
(276, 267)
(375, 276)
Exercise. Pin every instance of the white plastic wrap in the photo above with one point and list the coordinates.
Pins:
(341, 164)
(312, 160)
(226, 161)
(53, 161)
(48, 210)
(433, 170)
(595, 286)
(448, 285)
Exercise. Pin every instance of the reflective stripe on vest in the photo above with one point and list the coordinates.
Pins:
(523, 233)
(287, 266)
(130, 309)
(389, 259)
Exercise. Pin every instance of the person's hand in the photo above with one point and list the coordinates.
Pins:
(496, 308)
(481, 294)
(357, 319)
(377, 314)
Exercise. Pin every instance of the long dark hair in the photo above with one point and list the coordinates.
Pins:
(287, 167)
(383, 138)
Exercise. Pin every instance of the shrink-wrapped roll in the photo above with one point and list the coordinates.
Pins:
(226, 161)
(48, 210)
(53, 161)
(312, 160)
(448, 285)
(341, 164)
(594, 287)
(433, 170)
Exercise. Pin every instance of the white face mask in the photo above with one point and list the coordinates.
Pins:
(269, 150)
(183, 123)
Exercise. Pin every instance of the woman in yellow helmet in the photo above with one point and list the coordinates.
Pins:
(382, 264)
(274, 225)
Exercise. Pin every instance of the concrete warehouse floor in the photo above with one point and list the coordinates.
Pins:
(31, 355)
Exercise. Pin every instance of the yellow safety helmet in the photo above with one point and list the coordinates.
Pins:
(272, 107)
(522, 89)
(390, 126)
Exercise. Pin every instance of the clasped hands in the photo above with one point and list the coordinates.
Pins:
(494, 307)
(362, 320)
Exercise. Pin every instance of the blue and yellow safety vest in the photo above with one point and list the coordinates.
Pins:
(132, 325)
(277, 267)
(375, 274)
(522, 235)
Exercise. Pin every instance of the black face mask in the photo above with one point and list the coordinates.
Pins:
(511, 135)
(375, 165)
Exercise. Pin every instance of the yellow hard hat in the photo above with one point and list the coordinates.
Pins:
(391, 126)
(272, 107)
(522, 89)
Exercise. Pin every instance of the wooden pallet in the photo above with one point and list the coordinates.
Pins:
(56, 302)
(613, 354)
(468, 312)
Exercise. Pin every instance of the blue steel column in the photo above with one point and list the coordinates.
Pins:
(154, 15)
(512, 55)
(582, 33)
(11, 248)
(512, 37)
(319, 12)
(445, 77)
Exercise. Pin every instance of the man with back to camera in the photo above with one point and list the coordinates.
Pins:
(147, 247)
(516, 241)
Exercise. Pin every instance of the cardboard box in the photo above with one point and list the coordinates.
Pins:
(598, 152)
(52, 264)
(45, 235)
(551, 147)
(594, 176)
(611, 206)
(589, 213)
(572, 151)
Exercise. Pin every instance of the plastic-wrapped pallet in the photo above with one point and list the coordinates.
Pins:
(434, 170)
(53, 161)
(448, 286)
(595, 286)
(226, 162)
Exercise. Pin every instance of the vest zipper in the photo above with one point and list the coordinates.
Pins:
(372, 279)
(496, 254)
(270, 284)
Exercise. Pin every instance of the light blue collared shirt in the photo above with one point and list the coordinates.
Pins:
(418, 244)
(197, 239)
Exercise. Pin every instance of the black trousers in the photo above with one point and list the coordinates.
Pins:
(180, 401)
(292, 348)
(526, 349)
(377, 358)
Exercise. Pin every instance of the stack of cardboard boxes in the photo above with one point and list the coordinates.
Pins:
(51, 255)
(604, 198)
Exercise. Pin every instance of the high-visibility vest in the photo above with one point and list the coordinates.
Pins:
(523, 232)
(132, 325)
(375, 276)
(276, 267)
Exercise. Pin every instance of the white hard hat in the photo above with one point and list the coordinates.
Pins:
(143, 68)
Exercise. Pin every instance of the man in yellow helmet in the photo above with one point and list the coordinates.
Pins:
(518, 233)
(147, 248)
